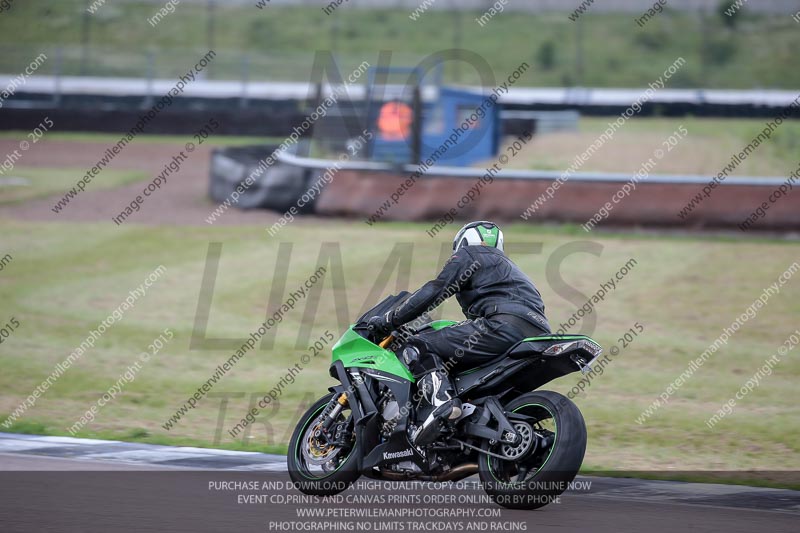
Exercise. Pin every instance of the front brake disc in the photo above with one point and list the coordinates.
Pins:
(316, 451)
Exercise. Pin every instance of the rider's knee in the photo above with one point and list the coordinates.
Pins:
(410, 355)
(419, 358)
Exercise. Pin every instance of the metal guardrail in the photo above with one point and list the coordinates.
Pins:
(516, 174)
(575, 97)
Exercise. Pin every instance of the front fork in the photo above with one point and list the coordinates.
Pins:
(330, 415)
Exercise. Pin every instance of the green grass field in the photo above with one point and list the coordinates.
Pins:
(706, 150)
(64, 279)
(279, 42)
(46, 182)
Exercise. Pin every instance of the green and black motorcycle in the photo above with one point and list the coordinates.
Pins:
(526, 445)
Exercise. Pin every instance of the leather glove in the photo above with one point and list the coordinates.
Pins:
(381, 324)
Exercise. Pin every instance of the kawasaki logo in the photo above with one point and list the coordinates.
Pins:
(395, 455)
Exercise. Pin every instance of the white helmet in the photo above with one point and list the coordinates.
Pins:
(481, 232)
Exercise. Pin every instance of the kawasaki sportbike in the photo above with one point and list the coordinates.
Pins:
(525, 444)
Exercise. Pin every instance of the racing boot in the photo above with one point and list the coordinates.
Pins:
(437, 389)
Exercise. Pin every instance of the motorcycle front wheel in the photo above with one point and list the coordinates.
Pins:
(316, 465)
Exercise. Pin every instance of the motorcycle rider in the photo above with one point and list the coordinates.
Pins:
(502, 306)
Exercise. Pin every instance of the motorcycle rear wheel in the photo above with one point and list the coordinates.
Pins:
(543, 473)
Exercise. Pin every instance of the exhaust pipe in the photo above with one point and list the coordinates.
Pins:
(458, 473)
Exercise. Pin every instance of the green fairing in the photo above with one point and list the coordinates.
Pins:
(564, 338)
(439, 324)
(354, 351)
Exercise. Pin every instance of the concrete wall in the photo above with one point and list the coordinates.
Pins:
(359, 194)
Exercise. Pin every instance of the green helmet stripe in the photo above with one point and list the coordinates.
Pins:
(489, 236)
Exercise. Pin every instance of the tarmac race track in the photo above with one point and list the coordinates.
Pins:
(62, 485)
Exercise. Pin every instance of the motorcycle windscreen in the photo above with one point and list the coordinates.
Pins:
(387, 304)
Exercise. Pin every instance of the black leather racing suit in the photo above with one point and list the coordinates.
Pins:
(501, 303)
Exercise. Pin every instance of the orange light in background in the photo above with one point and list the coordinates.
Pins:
(394, 120)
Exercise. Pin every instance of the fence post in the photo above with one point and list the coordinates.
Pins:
(243, 100)
(85, 29)
(151, 60)
(57, 77)
(210, 29)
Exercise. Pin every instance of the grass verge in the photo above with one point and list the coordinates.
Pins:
(42, 182)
